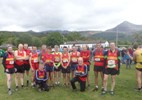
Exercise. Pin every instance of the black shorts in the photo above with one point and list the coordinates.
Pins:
(98, 68)
(67, 70)
(139, 69)
(57, 69)
(20, 69)
(27, 67)
(110, 71)
(10, 71)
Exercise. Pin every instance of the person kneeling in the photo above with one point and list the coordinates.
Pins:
(80, 75)
(41, 78)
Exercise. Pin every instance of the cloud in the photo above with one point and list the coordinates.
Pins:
(40, 15)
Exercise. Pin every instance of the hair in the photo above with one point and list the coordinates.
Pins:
(49, 47)
(135, 46)
(56, 46)
(65, 47)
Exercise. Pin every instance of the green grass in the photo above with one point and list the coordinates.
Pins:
(125, 84)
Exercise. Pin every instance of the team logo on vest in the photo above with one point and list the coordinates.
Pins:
(111, 64)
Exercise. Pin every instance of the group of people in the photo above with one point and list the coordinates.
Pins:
(46, 66)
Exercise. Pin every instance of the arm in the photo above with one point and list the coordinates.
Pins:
(46, 77)
(4, 60)
(36, 76)
(85, 72)
(19, 57)
(30, 61)
(119, 60)
(69, 59)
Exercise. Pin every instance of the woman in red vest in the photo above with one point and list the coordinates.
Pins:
(85, 54)
(98, 56)
(20, 56)
(43, 53)
(112, 66)
(34, 63)
(8, 63)
(49, 65)
(74, 56)
(26, 62)
(80, 75)
(57, 65)
(65, 62)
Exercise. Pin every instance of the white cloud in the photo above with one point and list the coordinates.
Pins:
(40, 15)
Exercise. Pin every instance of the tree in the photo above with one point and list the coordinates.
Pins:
(36, 41)
(54, 38)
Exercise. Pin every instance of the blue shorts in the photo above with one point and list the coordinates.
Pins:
(73, 67)
(49, 68)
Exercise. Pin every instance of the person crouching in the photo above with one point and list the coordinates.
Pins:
(41, 78)
(80, 75)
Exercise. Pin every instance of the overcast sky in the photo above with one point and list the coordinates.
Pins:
(41, 15)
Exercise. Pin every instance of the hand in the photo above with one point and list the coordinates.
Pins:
(7, 70)
(15, 69)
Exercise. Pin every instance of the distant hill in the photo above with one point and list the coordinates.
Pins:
(126, 27)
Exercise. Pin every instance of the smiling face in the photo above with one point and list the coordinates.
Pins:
(65, 49)
(112, 46)
(56, 48)
(98, 46)
(25, 46)
(84, 48)
(80, 61)
(74, 48)
(10, 49)
(20, 46)
(41, 67)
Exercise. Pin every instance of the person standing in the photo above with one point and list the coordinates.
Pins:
(49, 65)
(137, 57)
(20, 56)
(34, 63)
(65, 62)
(112, 67)
(26, 62)
(74, 57)
(57, 65)
(86, 55)
(98, 56)
(8, 63)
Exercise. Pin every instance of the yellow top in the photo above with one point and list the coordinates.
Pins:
(138, 58)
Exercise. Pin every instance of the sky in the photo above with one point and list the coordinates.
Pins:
(72, 15)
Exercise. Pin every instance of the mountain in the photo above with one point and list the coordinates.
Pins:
(126, 27)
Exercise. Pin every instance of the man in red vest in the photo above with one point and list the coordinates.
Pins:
(41, 78)
(112, 66)
(26, 62)
(80, 75)
(98, 56)
(8, 63)
(20, 56)
(85, 54)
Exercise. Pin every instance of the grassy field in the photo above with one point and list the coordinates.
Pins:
(125, 85)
